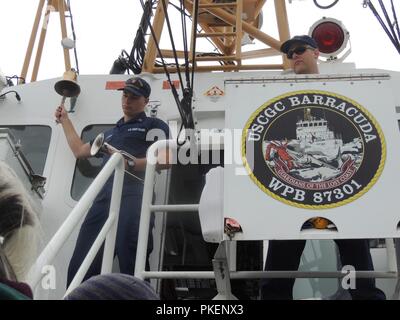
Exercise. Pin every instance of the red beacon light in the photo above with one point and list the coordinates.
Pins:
(331, 37)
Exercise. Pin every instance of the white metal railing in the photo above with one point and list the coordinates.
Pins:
(152, 155)
(107, 233)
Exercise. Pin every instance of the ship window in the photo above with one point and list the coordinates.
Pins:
(87, 169)
(35, 141)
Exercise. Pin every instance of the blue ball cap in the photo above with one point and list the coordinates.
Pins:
(304, 39)
(137, 86)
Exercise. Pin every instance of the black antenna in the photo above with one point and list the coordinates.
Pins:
(17, 96)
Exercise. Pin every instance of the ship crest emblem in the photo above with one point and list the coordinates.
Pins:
(313, 149)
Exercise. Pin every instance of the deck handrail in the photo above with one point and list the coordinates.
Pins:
(107, 233)
(152, 157)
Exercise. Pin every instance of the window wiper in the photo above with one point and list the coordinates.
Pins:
(37, 181)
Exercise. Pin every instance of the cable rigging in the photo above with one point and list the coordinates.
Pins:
(326, 6)
(184, 103)
(391, 27)
(135, 60)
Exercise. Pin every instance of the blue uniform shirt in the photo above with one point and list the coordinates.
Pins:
(134, 137)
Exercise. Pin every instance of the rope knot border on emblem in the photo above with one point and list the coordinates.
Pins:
(313, 149)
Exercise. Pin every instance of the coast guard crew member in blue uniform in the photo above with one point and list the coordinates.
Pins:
(302, 52)
(130, 134)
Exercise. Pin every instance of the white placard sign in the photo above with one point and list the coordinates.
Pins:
(313, 149)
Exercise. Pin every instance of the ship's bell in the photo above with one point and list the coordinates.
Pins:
(68, 87)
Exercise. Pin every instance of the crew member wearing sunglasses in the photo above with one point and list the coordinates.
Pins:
(302, 52)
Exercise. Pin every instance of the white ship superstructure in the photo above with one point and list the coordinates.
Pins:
(226, 88)
(315, 137)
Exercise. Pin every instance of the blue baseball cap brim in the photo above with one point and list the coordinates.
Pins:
(137, 86)
(298, 39)
(133, 90)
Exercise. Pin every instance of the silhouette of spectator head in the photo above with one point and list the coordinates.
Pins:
(18, 227)
(113, 286)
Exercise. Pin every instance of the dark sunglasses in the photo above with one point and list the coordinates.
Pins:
(298, 51)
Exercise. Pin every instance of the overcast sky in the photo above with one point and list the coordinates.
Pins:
(103, 28)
